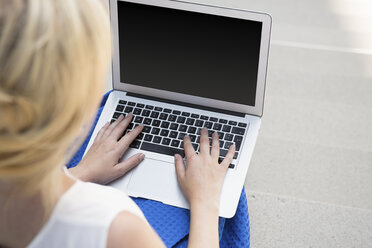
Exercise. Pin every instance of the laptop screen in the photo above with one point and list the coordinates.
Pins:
(187, 52)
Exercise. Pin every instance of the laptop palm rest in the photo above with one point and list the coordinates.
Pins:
(156, 180)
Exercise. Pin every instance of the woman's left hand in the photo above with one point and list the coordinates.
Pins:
(101, 163)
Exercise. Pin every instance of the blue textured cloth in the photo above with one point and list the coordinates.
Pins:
(172, 223)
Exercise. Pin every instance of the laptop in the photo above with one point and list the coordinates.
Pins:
(179, 67)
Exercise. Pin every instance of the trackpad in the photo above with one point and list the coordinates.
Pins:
(156, 180)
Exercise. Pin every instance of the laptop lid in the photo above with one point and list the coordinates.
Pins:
(205, 55)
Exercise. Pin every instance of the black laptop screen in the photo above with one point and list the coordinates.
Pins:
(187, 52)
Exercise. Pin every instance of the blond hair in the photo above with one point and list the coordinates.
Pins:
(53, 60)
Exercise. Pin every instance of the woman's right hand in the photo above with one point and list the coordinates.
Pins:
(202, 178)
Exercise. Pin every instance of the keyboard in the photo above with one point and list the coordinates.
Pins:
(164, 129)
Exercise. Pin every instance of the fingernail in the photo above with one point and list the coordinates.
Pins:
(141, 156)
(121, 116)
(176, 156)
(215, 133)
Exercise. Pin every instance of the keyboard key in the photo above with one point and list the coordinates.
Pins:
(192, 137)
(238, 142)
(130, 126)
(241, 124)
(140, 136)
(135, 144)
(123, 102)
(210, 132)
(181, 119)
(150, 107)
(158, 109)
(165, 124)
(236, 155)
(172, 118)
(191, 130)
(140, 105)
(162, 149)
(112, 121)
(175, 143)
(173, 134)
(204, 117)
(138, 119)
(137, 111)
(238, 130)
(146, 129)
(164, 132)
(154, 114)
(220, 135)
(146, 113)
(221, 143)
(181, 135)
(223, 121)
(166, 141)
(155, 123)
(155, 130)
(156, 139)
(128, 109)
(166, 110)
(233, 123)
(208, 124)
(173, 126)
(190, 121)
(182, 128)
(195, 116)
(227, 145)
(185, 114)
(176, 112)
(116, 115)
(148, 137)
(226, 128)
(217, 126)
(120, 108)
(199, 123)
(214, 119)
(223, 152)
(163, 116)
(229, 137)
(147, 121)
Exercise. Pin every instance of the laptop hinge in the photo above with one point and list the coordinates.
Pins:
(223, 111)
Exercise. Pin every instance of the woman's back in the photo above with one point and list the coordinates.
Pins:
(82, 217)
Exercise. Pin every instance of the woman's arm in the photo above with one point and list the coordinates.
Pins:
(201, 181)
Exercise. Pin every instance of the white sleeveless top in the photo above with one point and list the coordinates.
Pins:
(82, 217)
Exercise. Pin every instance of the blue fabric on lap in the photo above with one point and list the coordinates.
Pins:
(172, 223)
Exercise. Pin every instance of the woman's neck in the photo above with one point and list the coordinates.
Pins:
(21, 218)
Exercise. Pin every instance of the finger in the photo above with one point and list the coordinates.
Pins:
(125, 141)
(215, 151)
(180, 167)
(204, 141)
(118, 130)
(229, 157)
(189, 149)
(112, 126)
(102, 131)
(125, 166)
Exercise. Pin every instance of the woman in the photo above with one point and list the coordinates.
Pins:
(53, 60)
